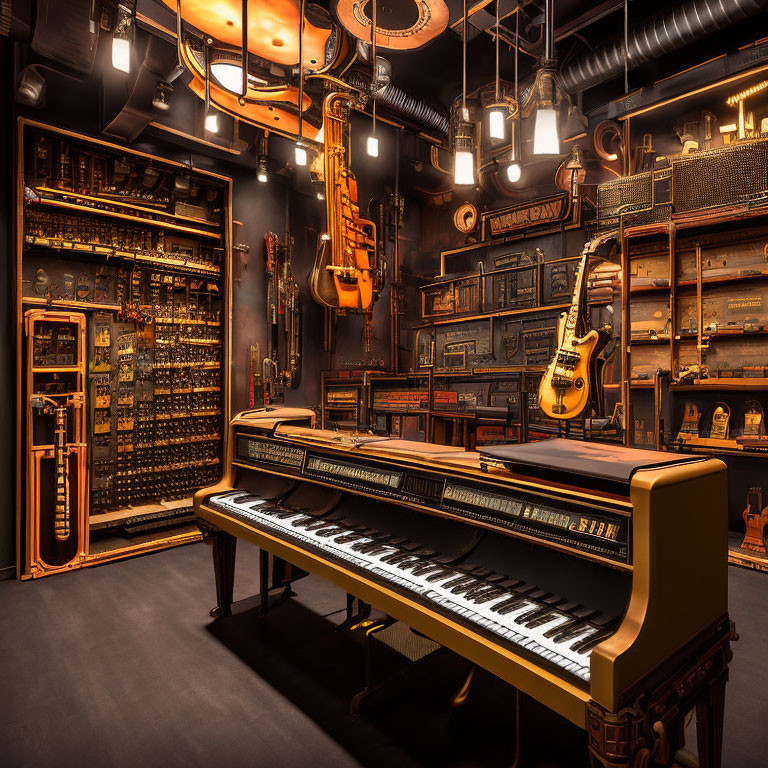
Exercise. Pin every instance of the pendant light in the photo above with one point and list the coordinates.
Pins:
(546, 140)
(121, 39)
(300, 151)
(463, 153)
(497, 112)
(515, 169)
(211, 115)
(372, 145)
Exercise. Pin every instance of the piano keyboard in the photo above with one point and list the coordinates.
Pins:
(531, 620)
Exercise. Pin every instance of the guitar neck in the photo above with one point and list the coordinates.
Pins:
(61, 519)
(578, 296)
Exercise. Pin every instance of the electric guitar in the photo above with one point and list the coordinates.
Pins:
(569, 384)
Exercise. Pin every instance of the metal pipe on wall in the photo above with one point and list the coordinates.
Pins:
(684, 24)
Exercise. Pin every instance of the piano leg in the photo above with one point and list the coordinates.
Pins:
(264, 581)
(710, 709)
(224, 551)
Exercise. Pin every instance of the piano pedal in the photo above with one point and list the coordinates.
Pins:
(353, 619)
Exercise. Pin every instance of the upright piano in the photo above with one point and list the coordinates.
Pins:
(591, 577)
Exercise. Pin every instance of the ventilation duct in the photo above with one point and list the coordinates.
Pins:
(681, 26)
(401, 104)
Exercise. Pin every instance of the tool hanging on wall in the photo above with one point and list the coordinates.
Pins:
(347, 275)
(282, 365)
(255, 380)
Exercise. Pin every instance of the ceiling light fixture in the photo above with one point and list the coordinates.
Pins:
(372, 145)
(121, 39)
(261, 170)
(300, 152)
(211, 115)
(515, 169)
(463, 150)
(162, 98)
(546, 140)
(497, 112)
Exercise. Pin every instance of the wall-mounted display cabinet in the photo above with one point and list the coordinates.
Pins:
(123, 296)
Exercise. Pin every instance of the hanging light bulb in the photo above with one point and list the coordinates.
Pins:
(514, 172)
(229, 76)
(372, 144)
(497, 116)
(546, 140)
(496, 123)
(212, 121)
(300, 151)
(261, 170)
(463, 154)
(121, 39)
(515, 169)
(211, 115)
(463, 157)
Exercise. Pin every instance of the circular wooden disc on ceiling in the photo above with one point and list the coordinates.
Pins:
(401, 25)
(273, 28)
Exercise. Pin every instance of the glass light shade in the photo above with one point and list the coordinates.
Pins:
(372, 146)
(261, 176)
(121, 54)
(325, 237)
(320, 196)
(496, 124)
(229, 76)
(463, 167)
(212, 121)
(514, 172)
(545, 138)
(300, 155)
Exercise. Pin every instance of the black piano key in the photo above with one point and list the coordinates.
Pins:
(554, 600)
(543, 618)
(603, 620)
(316, 525)
(587, 644)
(562, 629)
(466, 586)
(486, 596)
(458, 581)
(345, 538)
(538, 594)
(302, 521)
(534, 613)
(440, 575)
(569, 607)
(332, 530)
(523, 589)
(507, 606)
(568, 632)
(585, 613)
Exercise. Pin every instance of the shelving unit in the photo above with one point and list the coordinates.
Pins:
(150, 279)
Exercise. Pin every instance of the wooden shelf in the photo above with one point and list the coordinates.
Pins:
(67, 304)
(722, 384)
(126, 217)
(124, 204)
(90, 249)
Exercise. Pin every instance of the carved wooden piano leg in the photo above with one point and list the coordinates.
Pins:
(224, 551)
(710, 709)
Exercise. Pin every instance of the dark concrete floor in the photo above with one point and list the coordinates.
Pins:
(121, 666)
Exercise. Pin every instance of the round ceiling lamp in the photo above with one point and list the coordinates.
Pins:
(401, 25)
(272, 29)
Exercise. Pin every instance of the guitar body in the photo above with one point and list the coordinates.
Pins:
(561, 401)
(321, 283)
(572, 381)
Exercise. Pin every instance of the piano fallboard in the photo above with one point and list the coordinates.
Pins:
(596, 529)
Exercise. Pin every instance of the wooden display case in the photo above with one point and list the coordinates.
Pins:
(133, 249)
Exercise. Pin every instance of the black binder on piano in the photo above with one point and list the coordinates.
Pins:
(594, 465)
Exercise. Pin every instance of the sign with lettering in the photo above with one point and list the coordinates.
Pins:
(547, 211)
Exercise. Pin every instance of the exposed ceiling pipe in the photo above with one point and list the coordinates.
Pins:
(400, 103)
(678, 27)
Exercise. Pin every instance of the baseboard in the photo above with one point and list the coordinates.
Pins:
(9, 572)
